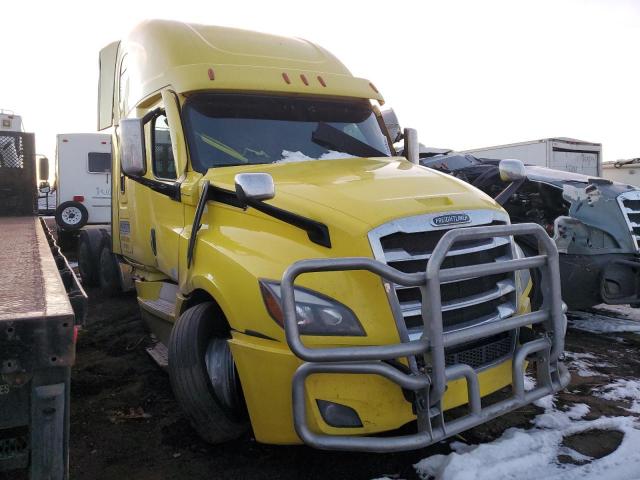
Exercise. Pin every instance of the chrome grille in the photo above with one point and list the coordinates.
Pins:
(406, 245)
(630, 205)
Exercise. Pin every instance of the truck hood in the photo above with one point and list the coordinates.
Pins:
(363, 191)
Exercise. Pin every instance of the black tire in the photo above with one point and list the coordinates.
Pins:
(71, 215)
(108, 273)
(216, 418)
(66, 240)
(89, 248)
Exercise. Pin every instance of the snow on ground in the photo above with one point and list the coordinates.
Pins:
(599, 321)
(622, 389)
(533, 454)
(583, 364)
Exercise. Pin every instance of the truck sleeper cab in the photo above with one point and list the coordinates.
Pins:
(308, 283)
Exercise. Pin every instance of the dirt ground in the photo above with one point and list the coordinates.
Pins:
(125, 422)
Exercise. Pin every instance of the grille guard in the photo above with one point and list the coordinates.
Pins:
(551, 374)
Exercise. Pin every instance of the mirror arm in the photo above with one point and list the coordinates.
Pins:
(197, 218)
(151, 115)
(317, 232)
(504, 196)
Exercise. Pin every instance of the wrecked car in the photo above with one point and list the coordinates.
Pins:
(595, 223)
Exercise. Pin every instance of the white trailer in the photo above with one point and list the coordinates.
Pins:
(623, 171)
(568, 154)
(83, 180)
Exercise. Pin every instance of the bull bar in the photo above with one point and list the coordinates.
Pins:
(430, 385)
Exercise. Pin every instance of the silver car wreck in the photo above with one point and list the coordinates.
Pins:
(595, 224)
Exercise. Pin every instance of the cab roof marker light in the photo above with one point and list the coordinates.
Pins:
(373, 87)
(212, 74)
(286, 78)
(321, 80)
(303, 77)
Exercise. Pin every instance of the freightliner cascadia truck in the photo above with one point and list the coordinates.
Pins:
(308, 283)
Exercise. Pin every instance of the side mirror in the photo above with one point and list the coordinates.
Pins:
(254, 186)
(511, 170)
(411, 145)
(132, 153)
(43, 168)
(392, 123)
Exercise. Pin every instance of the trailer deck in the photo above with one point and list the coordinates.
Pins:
(37, 348)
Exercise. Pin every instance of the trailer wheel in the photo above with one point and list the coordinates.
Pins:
(71, 215)
(108, 272)
(89, 248)
(203, 376)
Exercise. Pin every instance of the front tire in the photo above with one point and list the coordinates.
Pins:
(203, 376)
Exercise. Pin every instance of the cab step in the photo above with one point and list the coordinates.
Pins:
(159, 353)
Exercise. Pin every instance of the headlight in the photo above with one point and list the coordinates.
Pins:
(317, 314)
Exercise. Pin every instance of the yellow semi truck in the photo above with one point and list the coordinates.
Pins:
(308, 283)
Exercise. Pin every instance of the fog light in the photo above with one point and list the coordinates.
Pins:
(339, 416)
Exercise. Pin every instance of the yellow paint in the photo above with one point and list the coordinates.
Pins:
(235, 247)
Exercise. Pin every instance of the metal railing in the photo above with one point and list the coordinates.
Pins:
(429, 385)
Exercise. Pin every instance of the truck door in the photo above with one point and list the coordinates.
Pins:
(167, 213)
(150, 214)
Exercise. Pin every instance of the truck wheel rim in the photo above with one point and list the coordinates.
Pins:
(71, 215)
(222, 375)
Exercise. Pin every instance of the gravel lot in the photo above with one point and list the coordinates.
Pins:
(125, 422)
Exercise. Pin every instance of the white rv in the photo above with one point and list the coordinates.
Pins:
(567, 154)
(83, 179)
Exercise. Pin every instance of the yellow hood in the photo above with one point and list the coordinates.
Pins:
(365, 191)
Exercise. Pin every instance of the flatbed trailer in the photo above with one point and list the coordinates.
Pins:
(37, 348)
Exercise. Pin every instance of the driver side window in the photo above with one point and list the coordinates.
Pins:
(162, 160)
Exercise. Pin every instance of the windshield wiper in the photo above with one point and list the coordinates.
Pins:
(335, 139)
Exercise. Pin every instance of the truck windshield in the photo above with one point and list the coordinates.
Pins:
(231, 129)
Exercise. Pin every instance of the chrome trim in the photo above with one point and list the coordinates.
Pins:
(423, 223)
(502, 288)
(395, 256)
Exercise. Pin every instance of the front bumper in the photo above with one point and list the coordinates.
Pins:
(266, 369)
(429, 384)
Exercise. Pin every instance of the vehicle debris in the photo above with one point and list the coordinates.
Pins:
(591, 220)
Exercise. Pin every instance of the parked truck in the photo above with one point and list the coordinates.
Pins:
(561, 153)
(41, 304)
(307, 282)
(593, 221)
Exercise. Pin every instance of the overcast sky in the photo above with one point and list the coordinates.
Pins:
(466, 74)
